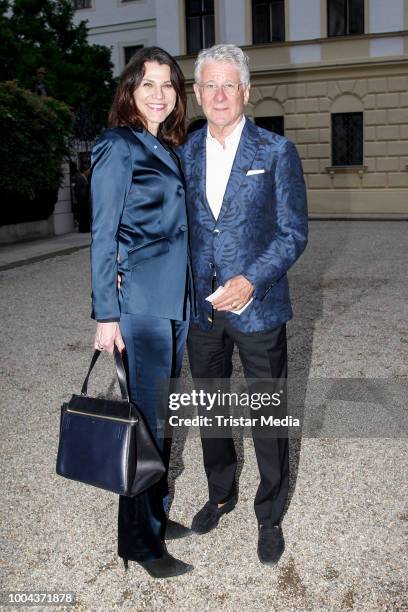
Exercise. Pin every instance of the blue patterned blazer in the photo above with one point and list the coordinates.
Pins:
(261, 229)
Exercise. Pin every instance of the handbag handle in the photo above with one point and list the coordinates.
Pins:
(120, 371)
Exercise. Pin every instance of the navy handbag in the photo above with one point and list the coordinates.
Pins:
(106, 442)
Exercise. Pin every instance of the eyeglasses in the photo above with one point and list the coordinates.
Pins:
(230, 88)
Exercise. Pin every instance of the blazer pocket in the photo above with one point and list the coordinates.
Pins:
(255, 171)
(148, 250)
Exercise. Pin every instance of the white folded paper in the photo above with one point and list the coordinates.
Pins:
(218, 292)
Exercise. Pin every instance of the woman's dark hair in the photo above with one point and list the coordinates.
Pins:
(124, 111)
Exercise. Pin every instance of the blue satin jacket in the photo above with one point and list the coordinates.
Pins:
(139, 227)
(261, 229)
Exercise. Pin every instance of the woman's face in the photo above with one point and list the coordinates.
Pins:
(155, 97)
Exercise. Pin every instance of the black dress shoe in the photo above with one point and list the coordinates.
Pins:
(271, 544)
(164, 567)
(175, 531)
(208, 517)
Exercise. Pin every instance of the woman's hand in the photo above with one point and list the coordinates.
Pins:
(107, 335)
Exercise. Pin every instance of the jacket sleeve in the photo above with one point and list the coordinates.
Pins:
(290, 238)
(110, 184)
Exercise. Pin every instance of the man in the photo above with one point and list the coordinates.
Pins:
(247, 211)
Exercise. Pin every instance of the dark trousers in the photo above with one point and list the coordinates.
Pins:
(154, 354)
(263, 356)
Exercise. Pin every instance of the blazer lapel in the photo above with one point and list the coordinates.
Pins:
(157, 149)
(247, 148)
(199, 170)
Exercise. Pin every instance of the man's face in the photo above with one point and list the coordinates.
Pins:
(224, 105)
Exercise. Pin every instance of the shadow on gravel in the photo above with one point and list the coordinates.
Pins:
(307, 286)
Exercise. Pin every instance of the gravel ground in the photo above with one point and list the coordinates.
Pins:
(346, 523)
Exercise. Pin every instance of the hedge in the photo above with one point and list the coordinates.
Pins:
(34, 137)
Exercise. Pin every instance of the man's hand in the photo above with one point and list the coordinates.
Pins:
(107, 335)
(237, 292)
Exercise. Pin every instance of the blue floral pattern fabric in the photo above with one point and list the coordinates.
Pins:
(261, 229)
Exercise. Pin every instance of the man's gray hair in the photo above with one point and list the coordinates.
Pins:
(223, 53)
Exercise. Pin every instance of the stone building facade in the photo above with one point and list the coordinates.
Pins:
(340, 94)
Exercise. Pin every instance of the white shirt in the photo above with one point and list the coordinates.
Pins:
(219, 164)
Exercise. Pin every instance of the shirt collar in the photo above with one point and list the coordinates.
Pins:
(233, 138)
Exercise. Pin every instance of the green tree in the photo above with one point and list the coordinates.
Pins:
(43, 50)
(34, 135)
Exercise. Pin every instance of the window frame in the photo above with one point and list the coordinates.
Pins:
(128, 46)
(188, 14)
(270, 23)
(358, 163)
(83, 8)
(346, 20)
(281, 119)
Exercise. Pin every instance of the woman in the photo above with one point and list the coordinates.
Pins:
(139, 232)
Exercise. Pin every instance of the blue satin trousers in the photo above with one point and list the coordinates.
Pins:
(154, 354)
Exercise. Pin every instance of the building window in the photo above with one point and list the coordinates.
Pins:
(82, 4)
(273, 124)
(345, 17)
(347, 139)
(268, 21)
(199, 24)
(128, 52)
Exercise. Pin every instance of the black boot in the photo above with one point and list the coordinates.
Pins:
(164, 567)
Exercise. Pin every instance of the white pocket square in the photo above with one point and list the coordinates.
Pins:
(250, 172)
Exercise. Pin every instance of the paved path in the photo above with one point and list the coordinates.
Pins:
(347, 518)
(14, 255)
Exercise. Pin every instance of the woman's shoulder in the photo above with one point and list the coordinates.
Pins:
(115, 135)
(113, 140)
